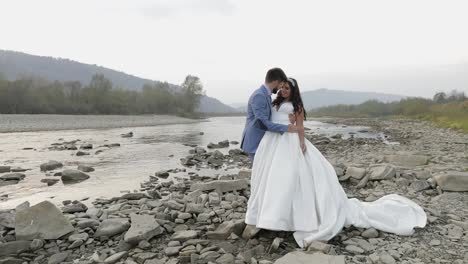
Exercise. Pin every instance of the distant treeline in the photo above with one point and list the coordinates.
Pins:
(448, 110)
(38, 96)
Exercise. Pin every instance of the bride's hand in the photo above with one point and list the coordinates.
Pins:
(303, 147)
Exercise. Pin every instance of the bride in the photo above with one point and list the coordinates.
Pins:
(295, 188)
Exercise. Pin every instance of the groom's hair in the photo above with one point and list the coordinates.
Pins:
(275, 74)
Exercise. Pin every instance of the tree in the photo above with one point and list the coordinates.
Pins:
(440, 98)
(192, 90)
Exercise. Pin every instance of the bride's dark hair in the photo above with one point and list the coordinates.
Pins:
(295, 98)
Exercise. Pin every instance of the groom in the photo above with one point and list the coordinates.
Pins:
(259, 113)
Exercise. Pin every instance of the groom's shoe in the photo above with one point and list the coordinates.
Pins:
(250, 231)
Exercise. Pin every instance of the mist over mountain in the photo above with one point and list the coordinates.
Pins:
(14, 65)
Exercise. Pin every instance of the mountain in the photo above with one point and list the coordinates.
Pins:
(14, 65)
(326, 97)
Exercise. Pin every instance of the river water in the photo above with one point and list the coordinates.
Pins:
(121, 168)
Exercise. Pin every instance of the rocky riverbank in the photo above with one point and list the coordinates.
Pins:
(23, 123)
(198, 219)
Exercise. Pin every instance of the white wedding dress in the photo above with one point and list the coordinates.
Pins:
(296, 191)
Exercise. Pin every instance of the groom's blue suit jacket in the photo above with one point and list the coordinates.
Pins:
(258, 120)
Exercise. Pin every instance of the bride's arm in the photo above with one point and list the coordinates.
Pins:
(300, 127)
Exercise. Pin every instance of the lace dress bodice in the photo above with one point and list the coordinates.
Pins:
(281, 116)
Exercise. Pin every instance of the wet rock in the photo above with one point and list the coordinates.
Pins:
(453, 181)
(51, 165)
(162, 174)
(81, 153)
(382, 172)
(127, 135)
(73, 176)
(13, 177)
(86, 146)
(134, 196)
(4, 169)
(43, 221)
(49, 182)
(111, 227)
(84, 168)
(143, 227)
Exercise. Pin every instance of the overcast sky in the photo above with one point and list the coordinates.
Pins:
(231, 44)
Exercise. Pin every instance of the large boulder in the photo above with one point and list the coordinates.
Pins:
(42, 221)
(73, 176)
(381, 172)
(51, 165)
(298, 257)
(111, 227)
(406, 159)
(453, 181)
(144, 227)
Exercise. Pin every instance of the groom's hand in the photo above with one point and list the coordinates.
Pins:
(292, 118)
(292, 129)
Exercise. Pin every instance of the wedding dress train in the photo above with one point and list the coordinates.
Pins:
(300, 192)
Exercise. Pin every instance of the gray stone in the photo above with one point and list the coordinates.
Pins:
(317, 246)
(382, 172)
(10, 260)
(115, 257)
(221, 185)
(144, 227)
(58, 258)
(184, 235)
(7, 219)
(250, 231)
(420, 185)
(354, 249)
(79, 236)
(298, 257)
(14, 247)
(111, 227)
(73, 176)
(225, 229)
(76, 207)
(453, 181)
(51, 165)
(49, 181)
(406, 159)
(386, 258)
(84, 168)
(226, 259)
(172, 251)
(43, 221)
(355, 172)
(13, 177)
(5, 169)
(370, 233)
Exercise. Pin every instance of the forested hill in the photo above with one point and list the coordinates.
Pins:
(15, 65)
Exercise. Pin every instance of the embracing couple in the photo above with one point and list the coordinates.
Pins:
(294, 187)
